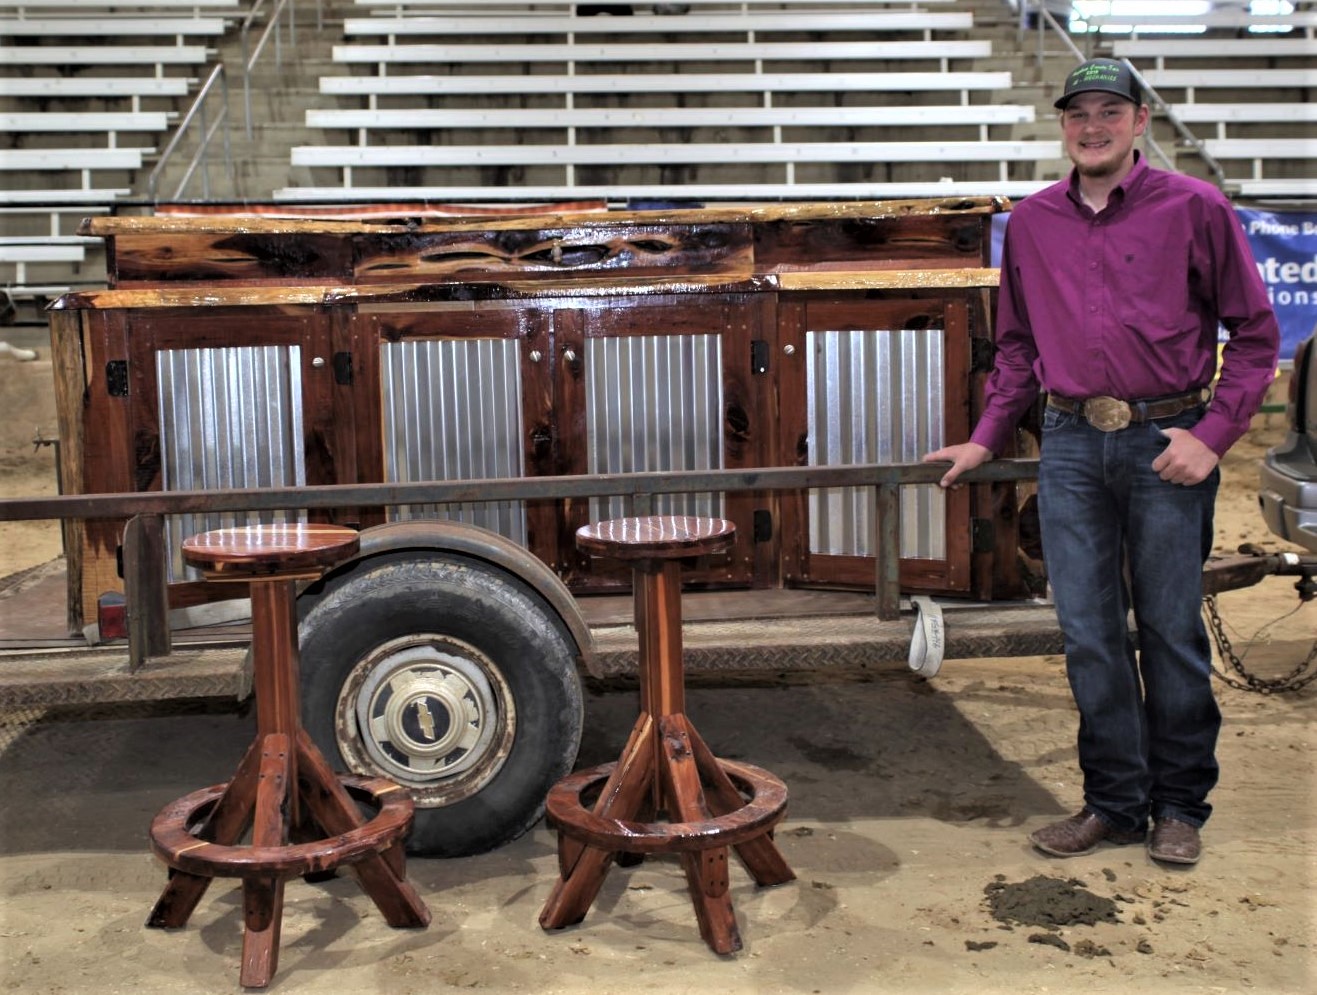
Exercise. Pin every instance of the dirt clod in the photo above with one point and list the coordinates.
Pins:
(1049, 939)
(1087, 948)
(1044, 901)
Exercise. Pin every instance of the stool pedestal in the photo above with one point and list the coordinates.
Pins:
(304, 818)
(667, 793)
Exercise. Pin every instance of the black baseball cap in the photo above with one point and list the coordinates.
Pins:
(1106, 75)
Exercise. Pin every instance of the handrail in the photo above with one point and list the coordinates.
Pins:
(199, 157)
(145, 580)
(639, 487)
(249, 56)
(1046, 22)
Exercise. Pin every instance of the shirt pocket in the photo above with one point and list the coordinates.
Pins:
(1149, 291)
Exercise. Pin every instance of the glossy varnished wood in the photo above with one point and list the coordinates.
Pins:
(303, 818)
(270, 549)
(667, 793)
(656, 537)
(339, 290)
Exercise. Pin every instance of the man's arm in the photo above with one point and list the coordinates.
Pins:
(962, 457)
(1011, 386)
(1248, 360)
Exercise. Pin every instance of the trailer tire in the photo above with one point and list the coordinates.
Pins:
(451, 677)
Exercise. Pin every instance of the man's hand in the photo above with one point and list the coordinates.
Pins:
(963, 457)
(1187, 460)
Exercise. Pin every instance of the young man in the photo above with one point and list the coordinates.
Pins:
(1113, 282)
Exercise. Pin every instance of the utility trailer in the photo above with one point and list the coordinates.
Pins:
(468, 392)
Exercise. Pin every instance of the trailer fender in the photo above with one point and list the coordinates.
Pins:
(481, 544)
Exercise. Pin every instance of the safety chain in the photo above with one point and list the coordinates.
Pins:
(1245, 681)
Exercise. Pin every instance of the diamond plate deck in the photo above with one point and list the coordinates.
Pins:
(101, 675)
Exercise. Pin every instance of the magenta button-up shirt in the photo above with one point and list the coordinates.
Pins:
(1126, 303)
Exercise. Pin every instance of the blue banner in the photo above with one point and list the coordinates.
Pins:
(1284, 245)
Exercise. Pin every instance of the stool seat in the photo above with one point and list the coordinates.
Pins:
(667, 793)
(656, 537)
(266, 549)
(303, 818)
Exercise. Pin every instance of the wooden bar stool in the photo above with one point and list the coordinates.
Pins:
(667, 793)
(304, 818)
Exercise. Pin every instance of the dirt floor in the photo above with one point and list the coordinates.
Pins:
(910, 803)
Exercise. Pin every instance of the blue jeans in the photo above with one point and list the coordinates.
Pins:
(1116, 536)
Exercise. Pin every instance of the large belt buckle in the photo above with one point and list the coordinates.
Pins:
(1107, 414)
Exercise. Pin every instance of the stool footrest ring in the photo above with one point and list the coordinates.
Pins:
(764, 809)
(173, 841)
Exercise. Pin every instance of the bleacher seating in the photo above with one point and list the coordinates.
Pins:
(737, 22)
(762, 83)
(100, 8)
(101, 26)
(1224, 116)
(1158, 50)
(108, 123)
(134, 87)
(577, 53)
(504, 100)
(707, 104)
(1232, 22)
(83, 161)
(22, 252)
(88, 92)
(1192, 81)
(430, 8)
(1228, 119)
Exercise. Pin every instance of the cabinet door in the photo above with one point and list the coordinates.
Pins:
(220, 403)
(874, 381)
(447, 391)
(655, 384)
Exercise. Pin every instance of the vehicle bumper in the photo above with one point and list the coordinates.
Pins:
(1289, 503)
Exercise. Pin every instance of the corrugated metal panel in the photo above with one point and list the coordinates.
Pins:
(229, 418)
(452, 411)
(875, 396)
(653, 403)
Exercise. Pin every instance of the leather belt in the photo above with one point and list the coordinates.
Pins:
(1110, 414)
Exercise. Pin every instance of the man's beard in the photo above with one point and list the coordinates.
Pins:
(1098, 169)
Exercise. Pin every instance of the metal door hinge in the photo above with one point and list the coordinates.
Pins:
(758, 356)
(116, 378)
(983, 536)
(763, 525)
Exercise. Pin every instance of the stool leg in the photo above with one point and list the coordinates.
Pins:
(706, 870)
(224, 824)
(330, 805)
(637, 751)
(581, 868)
(761, 857)
(263, 894)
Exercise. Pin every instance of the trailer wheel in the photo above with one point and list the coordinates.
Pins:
(452, 678)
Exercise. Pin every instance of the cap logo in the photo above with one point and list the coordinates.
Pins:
(1095, 74)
